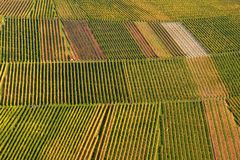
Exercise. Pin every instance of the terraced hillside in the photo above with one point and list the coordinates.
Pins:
(119, 79)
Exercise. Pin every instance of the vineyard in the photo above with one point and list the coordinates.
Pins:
(119, 79)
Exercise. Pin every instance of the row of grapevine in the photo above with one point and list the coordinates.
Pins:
(16, 8)
(53, 43)
(206, 77)
(36, 40)
(82, 41)
(96, 82)
(139, 10)
(224, 132)
(43, 9)
(32, 40)
(1, 23)
(142, 42)
(218, 34)
(102, 10)
(115, 40)
(3, 71)
(64, 83)
(154, 41)
(131, 132)
(234, 107)
(178, 10)
(185, 134)
(50, 132)
(122, 131)
(228, 67)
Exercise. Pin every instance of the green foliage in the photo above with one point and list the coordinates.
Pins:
(44, 132)
(234, 107)
(97, 82)
(115, 40)
(218, 34)
(185, 131)
(228, 67)
(43, 9)
(157, 80)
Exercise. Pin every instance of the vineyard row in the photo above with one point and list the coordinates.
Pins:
(119, 81)
(182, 130)
(52, 40)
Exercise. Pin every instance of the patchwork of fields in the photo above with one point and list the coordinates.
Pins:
(119, 79)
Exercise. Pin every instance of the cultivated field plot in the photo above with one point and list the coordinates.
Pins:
(82, 41)
(176, 9)
(28, 40)
(218, 34)
(96, 82)
(157, 80)
(64, 83)
(131, 132)
(122, 131)
(228, 67)
(234, 107)
(104, 10)
(186, 42)
(206, 77)
(16, 8)
(184, 131)
(224, 132)
(43, 9)
(153, 40)
(115, 40)
(141, 40)
(120, 80)
(144, 10)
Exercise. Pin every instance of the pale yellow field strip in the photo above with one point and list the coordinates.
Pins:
(185, 40)
(155, 43)
(206, 77)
